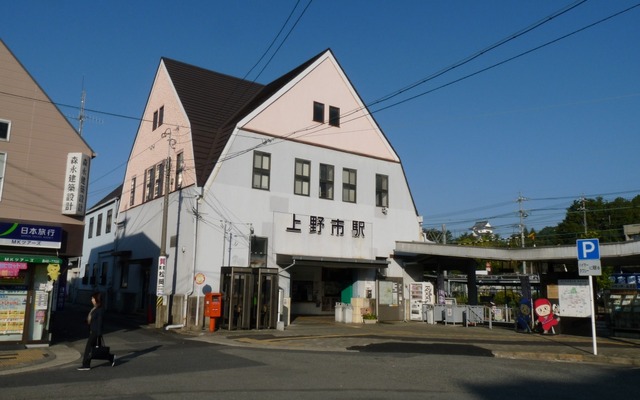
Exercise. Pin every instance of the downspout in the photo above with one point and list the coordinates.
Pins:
(193, 273)
(195, 249)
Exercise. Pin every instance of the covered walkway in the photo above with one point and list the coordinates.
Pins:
(464, 258)
(612, 254)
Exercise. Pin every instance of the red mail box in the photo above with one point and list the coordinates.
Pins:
(213, 305)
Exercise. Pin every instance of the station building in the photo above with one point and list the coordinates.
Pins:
(287, 198)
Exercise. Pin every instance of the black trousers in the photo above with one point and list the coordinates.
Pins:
(91, 343)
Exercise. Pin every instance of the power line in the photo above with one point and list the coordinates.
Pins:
(435, 224)
(479, 53)
(508, 59)
(277, 140)
(272, 43)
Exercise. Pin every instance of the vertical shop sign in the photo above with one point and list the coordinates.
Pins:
(76, 184)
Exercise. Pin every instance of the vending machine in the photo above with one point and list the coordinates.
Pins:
(421, 293)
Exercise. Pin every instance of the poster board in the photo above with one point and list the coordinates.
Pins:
(573, 298)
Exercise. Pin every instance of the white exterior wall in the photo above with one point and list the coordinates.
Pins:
(97, 250)
(232, 198)
(140, 231)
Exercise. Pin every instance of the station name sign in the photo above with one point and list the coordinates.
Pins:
(316, 225)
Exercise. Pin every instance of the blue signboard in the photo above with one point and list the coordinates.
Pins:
(588, 249)
(588, 257)
(27, 235)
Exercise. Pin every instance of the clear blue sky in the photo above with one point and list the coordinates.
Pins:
(552, 125)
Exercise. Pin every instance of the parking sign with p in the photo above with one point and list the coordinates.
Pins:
(588, 257)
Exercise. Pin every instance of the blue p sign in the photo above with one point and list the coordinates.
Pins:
(588, 249)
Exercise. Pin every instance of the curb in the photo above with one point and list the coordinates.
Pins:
(54, 356)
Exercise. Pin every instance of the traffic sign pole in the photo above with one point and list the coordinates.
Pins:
(593, 317)
(589, 265)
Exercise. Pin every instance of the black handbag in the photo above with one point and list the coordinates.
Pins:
(101, 351)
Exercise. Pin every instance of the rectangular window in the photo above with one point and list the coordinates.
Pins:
(158, 118)
(85, 277)
(149, 183)
(302, 177)
(90, 233)
(382, 190)
(159, 184)
(124, 275)
(318, 112)
(258, 252)
(326, 181)
(5, 129)
(334, 116)
(3, 162)
(94, 274)
(349, 185)
(179, 170)
(261, 170)
(99, 225)
(107, 227)
(103, 273)
(132, 192)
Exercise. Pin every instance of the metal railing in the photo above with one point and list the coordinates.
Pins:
(467, 315)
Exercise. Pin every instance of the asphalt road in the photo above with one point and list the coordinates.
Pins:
(155, 364)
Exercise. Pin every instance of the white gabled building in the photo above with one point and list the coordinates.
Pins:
(287, 198)
(95, 269)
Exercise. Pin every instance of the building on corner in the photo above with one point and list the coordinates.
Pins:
(287, 198)
(44, 178)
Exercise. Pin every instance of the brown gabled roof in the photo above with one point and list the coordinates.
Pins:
(214, 104)
(209, 99)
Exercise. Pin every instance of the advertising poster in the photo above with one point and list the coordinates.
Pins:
(13, 307)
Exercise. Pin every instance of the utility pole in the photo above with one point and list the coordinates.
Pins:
(583, 208)
(161, 303)
(81, 115)
(523, 215)
(444, 234)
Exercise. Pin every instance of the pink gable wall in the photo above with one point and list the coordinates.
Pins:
(291, 115)
(150, 147)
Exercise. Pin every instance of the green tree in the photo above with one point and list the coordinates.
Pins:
(437, 236)
(598, 218)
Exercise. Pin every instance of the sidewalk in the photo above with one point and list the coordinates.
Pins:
(323, 334)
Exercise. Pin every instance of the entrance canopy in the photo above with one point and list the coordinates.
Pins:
(289, 260)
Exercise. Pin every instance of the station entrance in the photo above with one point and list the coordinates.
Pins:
(250, 298)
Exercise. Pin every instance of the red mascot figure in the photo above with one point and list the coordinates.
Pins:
(546, 319)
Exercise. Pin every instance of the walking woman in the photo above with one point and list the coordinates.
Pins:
(94, 320)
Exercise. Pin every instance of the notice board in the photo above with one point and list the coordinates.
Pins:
(573, 298)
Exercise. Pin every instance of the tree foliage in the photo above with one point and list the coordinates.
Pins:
(585, 218)
(597, 218)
